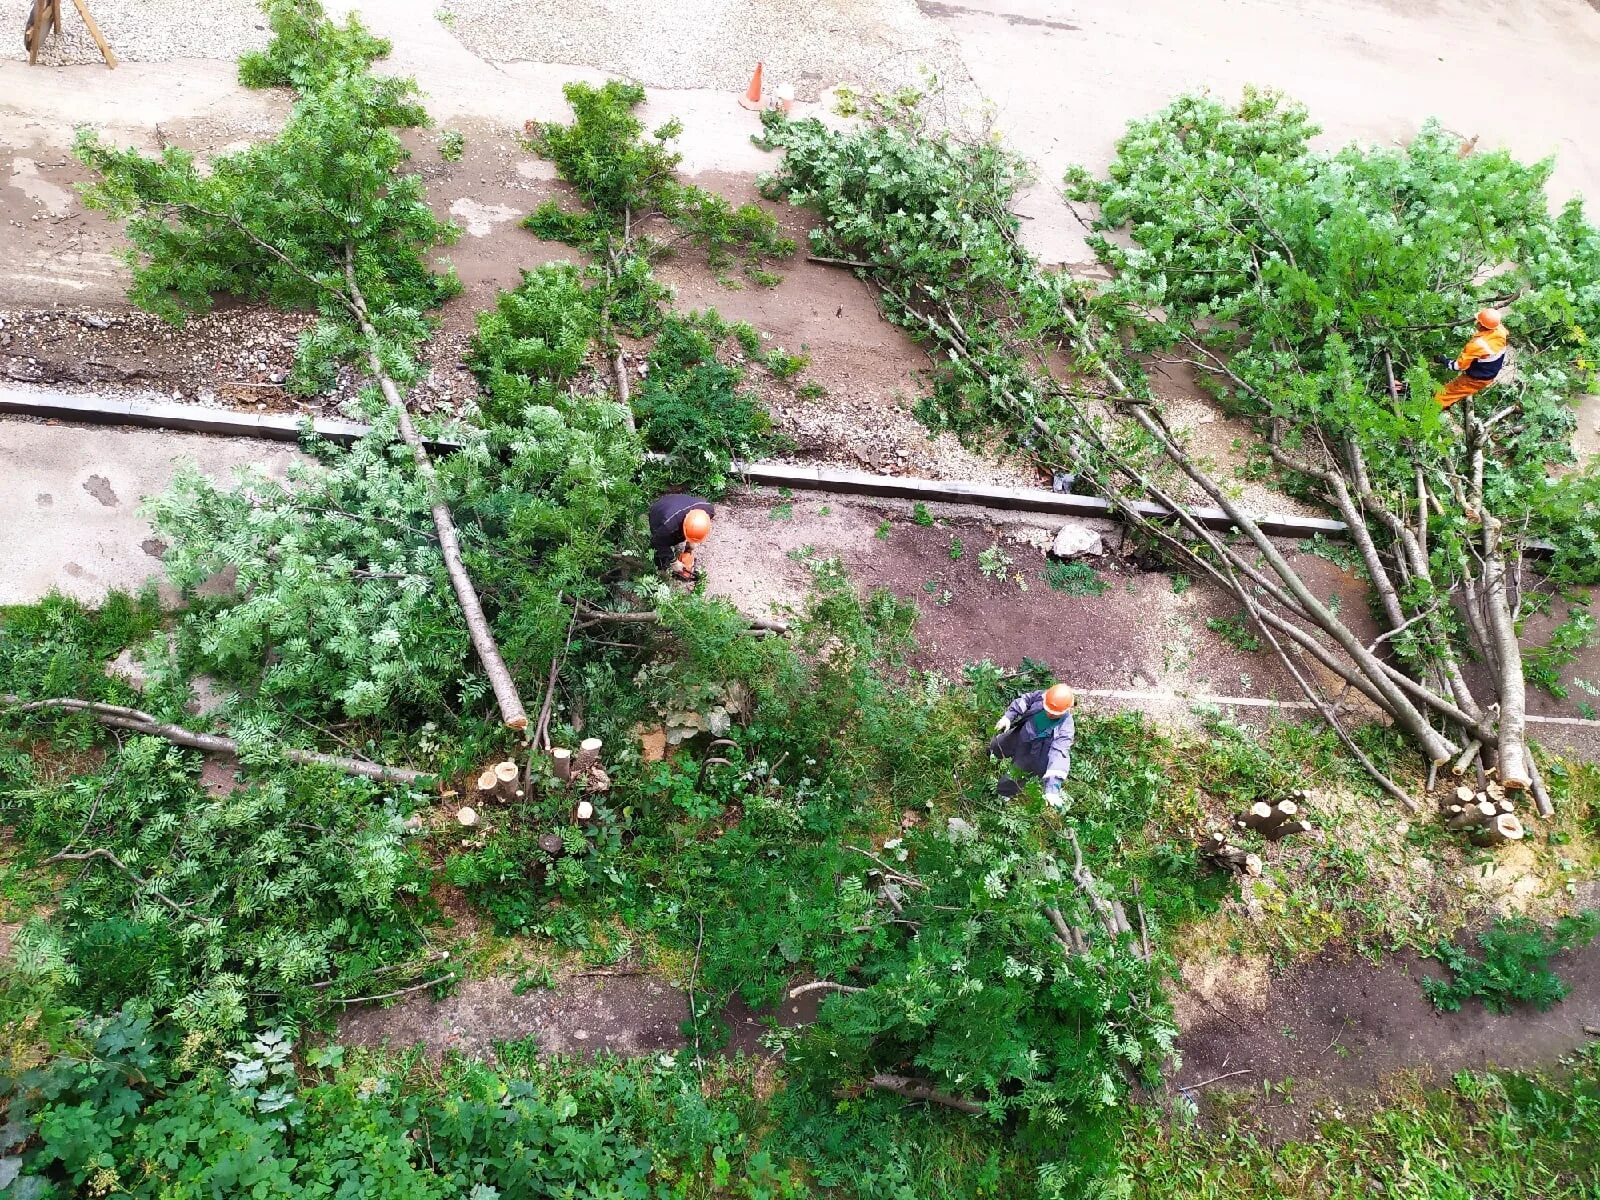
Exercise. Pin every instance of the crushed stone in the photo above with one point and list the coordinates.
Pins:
(716, 43)
(151, 31)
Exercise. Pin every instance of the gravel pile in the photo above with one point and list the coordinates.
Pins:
(830, 430)
(233, 358)
(716, 43)
(148, 31)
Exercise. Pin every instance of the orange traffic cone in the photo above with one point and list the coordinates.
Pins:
(752, 97)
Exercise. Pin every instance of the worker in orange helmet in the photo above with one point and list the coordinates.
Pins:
(679, 523)
(1036, 733)
(1480, 361)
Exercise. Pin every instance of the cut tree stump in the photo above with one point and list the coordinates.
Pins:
(1224, 853)
(1502, 828)
(588, 756)
(508, 777)
(501, 782)
(1273, 821)
(561, 763)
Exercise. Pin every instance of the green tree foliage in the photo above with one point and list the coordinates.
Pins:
(1269, 254)
(335, 610)
(935, 212)
(693, 406)
(927, 214)
(531, 344)
(307, 49)
(334, 606)
(283, 220)
(218, 911)
(625, 178)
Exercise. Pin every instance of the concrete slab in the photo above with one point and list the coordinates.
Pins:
(70, 496)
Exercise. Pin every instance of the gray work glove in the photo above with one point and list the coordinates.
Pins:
(1003, 725)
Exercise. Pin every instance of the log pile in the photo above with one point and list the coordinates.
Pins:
(1274, 821)
(1488, 817)
(1225, 853)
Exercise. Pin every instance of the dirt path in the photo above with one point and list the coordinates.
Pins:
(1327, 1036)
(1332, 1030)
(625, 1014)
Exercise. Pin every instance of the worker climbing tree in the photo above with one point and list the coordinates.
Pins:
(1479, 362)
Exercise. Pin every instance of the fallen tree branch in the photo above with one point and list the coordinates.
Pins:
(541, 732)
(599, 616)
(118, 717)
(822, 985)
(111, 858)
(405, 991)
(917, 1089)
(1192, 1087)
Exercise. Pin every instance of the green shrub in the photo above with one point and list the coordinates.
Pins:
(532, 342)
(1513, 966)
(123, 1117)
(691, 406)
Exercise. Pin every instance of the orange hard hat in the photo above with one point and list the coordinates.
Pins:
(1488, 318)
(1058, 700)
(696, 524)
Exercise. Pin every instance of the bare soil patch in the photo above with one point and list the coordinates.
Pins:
(1141, 631)
(1335, 1030)
(624, 1014)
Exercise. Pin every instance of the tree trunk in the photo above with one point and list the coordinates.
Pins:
(1513, 732)
(917, 1089)
(505, 689)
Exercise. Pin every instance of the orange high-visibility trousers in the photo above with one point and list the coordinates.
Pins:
(1459, 388)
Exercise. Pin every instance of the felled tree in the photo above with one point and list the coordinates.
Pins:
(1306, 299)
(321, 218)
(1003, 980)
(1298, 284)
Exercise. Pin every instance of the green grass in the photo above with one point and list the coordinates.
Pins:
(1487, 1137)
(1074, 578)
(1236, 632)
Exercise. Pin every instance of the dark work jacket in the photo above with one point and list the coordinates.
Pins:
(666, 518)
(1036, 742)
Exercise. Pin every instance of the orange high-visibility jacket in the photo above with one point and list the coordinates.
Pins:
(1484, 354)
